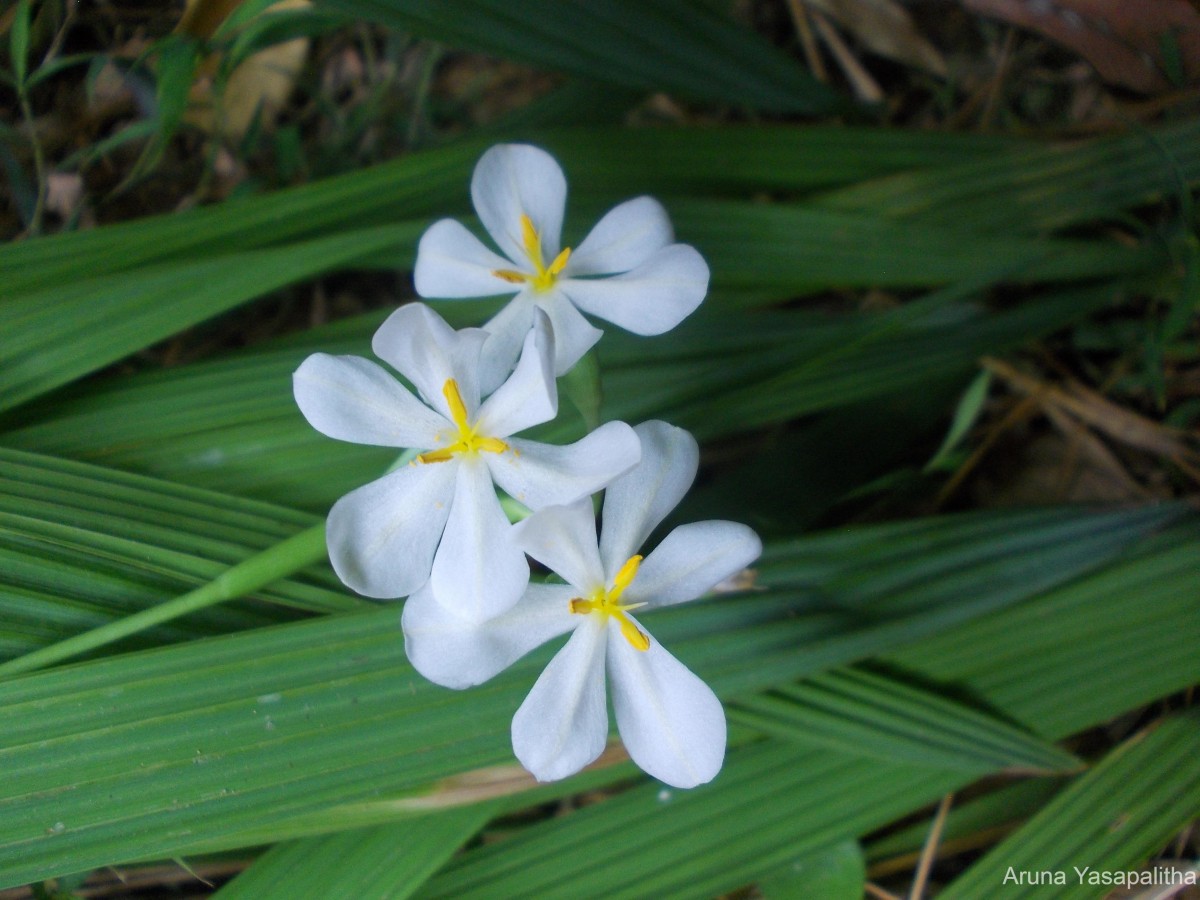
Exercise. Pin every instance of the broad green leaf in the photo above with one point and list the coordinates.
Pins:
(59, 334)
(635, 848)
(1109, 822)
(232, 425)
(81, 546)
(387, 862)
(771, 804)
(1107, 643)
(151, 753)
(605, 164)
(807, 249)
(860, 711)
(977, 822)
(836, 873)
(1038, 189)
(654, 45)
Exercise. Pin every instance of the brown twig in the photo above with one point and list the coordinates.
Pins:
(929, 852)
(808, 41)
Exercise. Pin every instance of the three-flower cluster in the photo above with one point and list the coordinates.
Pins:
(434, 529)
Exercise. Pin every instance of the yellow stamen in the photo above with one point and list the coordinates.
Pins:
(467, 440)
(625, 575)
(532, 240)
(607, 603)
(458, 409)
(542, 278)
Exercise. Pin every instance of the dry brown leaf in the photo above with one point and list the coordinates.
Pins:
(1097, 411)
(262, 83)
(886, 28)
(1123, 39)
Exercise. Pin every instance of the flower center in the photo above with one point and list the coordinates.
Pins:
(467, 440)
(543, 277)
(608, 603)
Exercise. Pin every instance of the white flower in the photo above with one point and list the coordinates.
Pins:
(438, 518)
(520, 194)
(670, 721)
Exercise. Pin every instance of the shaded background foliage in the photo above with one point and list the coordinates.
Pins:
(948, 367)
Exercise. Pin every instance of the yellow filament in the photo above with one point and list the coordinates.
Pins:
(607, 603)
(467, 441)
(544, 276)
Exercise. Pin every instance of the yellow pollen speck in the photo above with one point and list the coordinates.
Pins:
(606, 602)
(543, 277)
(466, 440)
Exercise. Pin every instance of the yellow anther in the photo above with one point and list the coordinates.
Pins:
(458, 409)
(436, 456)
(542, 278)
(624, 576)
(637, 638)
(532, 241)
(560, 262)
(607, 603)
(467, 440)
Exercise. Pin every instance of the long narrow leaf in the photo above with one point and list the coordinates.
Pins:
(147, 754)
(1103, 826)
(654, 45)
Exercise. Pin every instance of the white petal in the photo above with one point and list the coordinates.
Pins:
(478, 570)
(653, 298)
(670, 721)
(625, 238)
(452, 262)
(563, 538)
(573, 334)
(353, 399)
(456, 653)
(530, 395)
(541, 475)
(636, 502)
(506, 332)
(563, 723)
(515, 179)
(419, 345)
(691, 560)
(382, 536)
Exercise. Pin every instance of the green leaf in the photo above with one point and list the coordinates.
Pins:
(1038, 189)
(1107, 643)
(1108, 822)
(150, 754)
(970, 405)
(857, 710)
(59, 334)
(389, 861)
(977, 822)
(837, 873)
(82, 546)
(214, 424)
(771, 804)
(605, 164)
(654, 45)
(18, 43)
